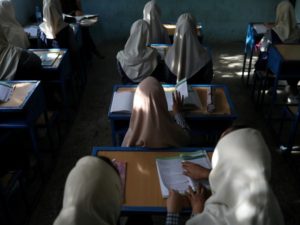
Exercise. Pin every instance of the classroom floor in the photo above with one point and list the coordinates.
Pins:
(90, 127)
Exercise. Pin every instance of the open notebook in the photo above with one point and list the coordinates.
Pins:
(170, 172)
(123, 100)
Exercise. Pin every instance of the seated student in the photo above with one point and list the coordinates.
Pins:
(151, 124)
(55, 33)
(239, 181)
(92, 194)
(74, 8)
(11, 27)
(187, 58)
(137, 61)
(285, 31)
(17, 63)
(158, 34)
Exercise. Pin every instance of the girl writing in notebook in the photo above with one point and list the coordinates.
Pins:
(239, 181)
(151, 124)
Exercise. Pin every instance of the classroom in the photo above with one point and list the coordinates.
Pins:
(149, 112)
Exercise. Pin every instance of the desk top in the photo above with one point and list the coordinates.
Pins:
(142, 189)
(22, 92)
(223, 103)
(289, 52)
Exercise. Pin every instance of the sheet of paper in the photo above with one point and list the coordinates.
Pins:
(169, 98)
(6, 91)
(260, 28)
(182, 88)
(171, 175)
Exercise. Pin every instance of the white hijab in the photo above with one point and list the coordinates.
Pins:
(241, 194)
(158, 33)
(9, 58)
(12, 28)
(137, 60)
(286, 23)
(92, 194)
(53, 19)
(186, 56)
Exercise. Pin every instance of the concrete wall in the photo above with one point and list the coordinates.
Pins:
(223, 20)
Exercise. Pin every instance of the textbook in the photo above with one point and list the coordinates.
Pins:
(6, 91)
(122, 101)
(170, 172)
(121, 167)
(78, 19)
(191, 98)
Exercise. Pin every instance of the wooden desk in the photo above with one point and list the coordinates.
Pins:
(24, 108)
(200, 121)
(142, 189)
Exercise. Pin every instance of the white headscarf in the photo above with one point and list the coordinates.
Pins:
(286, 23)
(241, 194)
(186, 56)
(92, 194)
(151, 124)
(9, 58)
(52, 17)
(158, 33)
(11, 27)
(137, 60)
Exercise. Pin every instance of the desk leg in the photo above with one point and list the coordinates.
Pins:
(250, 65)
(292, 134)
(113, 133)
(244, 63)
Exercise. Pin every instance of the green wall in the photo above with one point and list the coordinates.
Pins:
(24, 10)
(222, 20)
(297, 9)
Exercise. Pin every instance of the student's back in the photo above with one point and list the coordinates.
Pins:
(137, 61)
(187, 58)
(151, 124)
(12, 28)
(17, 63)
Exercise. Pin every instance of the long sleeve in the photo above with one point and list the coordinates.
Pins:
(181, 121)
(172, 219)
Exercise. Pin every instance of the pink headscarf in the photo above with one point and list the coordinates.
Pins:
(151, 124)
